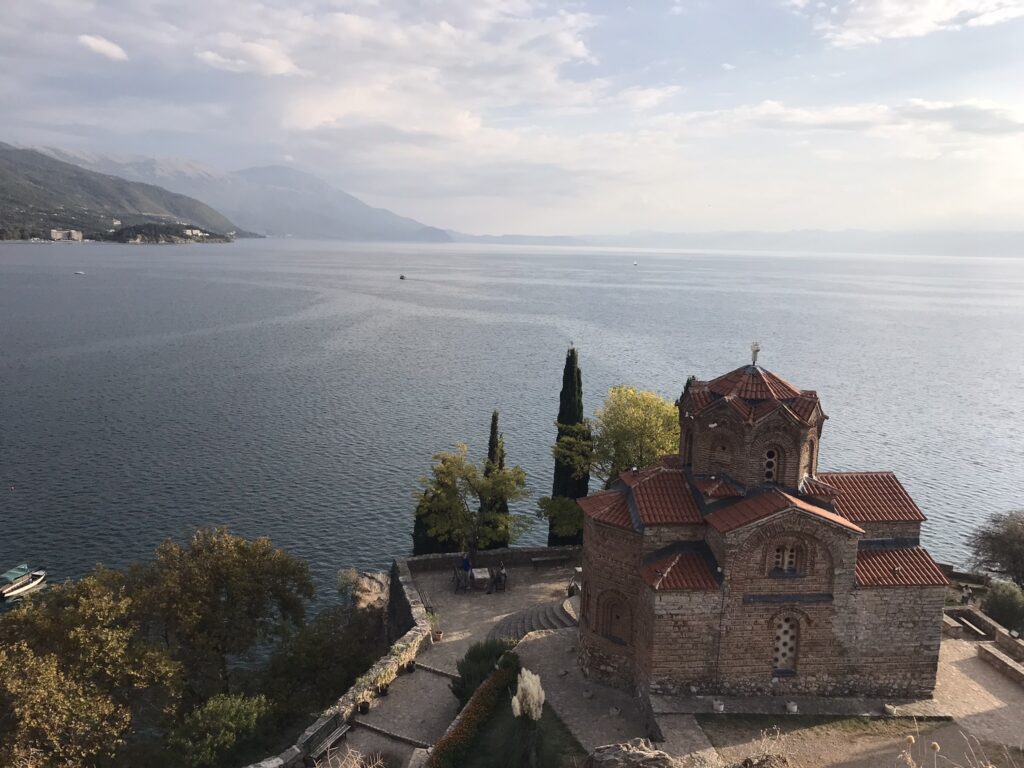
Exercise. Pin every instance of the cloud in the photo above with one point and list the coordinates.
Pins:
(728, 67)
(103, 47)
(264, 56)
(853, 23)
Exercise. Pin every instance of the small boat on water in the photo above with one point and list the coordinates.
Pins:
(401, 277)
(79, 273)
(19, 580)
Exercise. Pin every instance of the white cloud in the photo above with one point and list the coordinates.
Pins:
(728, 67)
(264, 56)
(103, 47)
(852, 23)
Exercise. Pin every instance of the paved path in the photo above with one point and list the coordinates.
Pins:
(420, 706)
(982, 700)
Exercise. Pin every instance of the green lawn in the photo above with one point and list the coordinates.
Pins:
(497, 745)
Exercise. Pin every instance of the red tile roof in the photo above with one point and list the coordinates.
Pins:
(753, 393)
(680, 570)
(766, 504)
(607, 507)
(716, 487)
(870, 497)
(662, 496)
(910, 567)
(818, 489)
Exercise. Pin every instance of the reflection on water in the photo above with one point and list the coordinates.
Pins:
(298, 390)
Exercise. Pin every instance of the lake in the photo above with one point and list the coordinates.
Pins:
(299, 389)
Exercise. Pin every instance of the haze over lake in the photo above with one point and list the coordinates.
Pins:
(298, 389)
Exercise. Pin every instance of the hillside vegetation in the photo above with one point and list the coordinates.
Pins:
(38, 192)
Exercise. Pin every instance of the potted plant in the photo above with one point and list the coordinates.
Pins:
(382, 680)
(436, 633)
(409, 666)
(361, 686)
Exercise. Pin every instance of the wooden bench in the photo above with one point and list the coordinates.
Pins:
(549, 560)
(333, 731)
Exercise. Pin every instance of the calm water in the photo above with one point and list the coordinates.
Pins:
(298, 389)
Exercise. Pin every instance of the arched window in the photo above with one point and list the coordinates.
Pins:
(772, 463)
(786, 558)
(613, 619)
(688, 448)
(786, 631)
(811, 456)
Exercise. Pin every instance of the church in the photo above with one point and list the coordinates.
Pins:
(736, 568)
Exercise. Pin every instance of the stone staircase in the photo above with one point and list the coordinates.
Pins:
(516, 626)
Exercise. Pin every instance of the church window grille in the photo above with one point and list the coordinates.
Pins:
(771, 464)
(787, 639)
(787, 560)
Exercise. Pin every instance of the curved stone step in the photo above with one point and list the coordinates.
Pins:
(539, 617)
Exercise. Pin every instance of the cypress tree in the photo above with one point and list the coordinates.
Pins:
(495, 461)
(570, 413)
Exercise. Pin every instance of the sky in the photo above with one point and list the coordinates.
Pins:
(554, 118)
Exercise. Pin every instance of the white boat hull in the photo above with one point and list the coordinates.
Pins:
(21, 587)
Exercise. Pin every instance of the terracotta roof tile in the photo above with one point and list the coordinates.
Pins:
(818, 489)
(678, 571)
(869, 497)
(662, 496)
(764, 505)
(716, 487)
(910, 567)
(607, 507)
(753, 392)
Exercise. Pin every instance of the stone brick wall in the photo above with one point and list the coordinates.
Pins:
(611, 570)
(721, 442)
(891, 530)
(898, 633)
(659, 536)
(685, 640)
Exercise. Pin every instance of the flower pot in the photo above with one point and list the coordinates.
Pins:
(719, 706)
(410, 666)
(364, 707)
(382, 690)
(792, 708)
(438, 635)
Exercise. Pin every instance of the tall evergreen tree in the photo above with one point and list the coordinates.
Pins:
(495, 463)
(567, 484)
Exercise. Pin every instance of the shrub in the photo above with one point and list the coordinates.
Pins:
(212, 731)
(451, 750)
(1005, 603)
(475, 667)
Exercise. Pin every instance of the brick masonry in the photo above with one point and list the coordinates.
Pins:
(811, 631)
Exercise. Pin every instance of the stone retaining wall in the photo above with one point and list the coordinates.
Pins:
(510, 556)
(407, 619)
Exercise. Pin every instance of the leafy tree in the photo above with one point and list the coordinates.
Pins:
(453, 501)
(76, 675)
(998, 545)
(476, 666)
(1004, 602)
(565, 521)
(211, 732)
(495, 463)
(632, 428)
(422, 542)
(219, 598)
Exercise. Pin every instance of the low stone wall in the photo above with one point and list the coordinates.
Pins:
(1007, 643)
(510, 556)
(407, 618)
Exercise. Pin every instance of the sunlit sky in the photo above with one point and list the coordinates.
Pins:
(543, 117)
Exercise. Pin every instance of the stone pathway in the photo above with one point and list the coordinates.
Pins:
(515, 627)
(593, 721)
(983, 701)
(420, 706)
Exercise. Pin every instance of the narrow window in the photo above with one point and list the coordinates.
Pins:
(770, 465)
(786, 560)
(787, 637)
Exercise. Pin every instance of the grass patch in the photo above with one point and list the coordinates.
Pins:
(497, 743)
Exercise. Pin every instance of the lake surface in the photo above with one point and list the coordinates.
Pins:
(299, 389)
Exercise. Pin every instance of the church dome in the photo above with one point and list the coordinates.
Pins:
(753, 392)
(752, 382)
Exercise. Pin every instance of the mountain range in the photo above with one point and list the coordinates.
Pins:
(272, 200)
(39, 192)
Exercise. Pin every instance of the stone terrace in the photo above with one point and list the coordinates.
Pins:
(420, 706)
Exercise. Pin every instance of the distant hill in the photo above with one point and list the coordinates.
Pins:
(273, 200)
(39, 192)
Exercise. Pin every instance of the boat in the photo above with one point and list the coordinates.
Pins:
(79, 273)
(401, 277)
(20, 580)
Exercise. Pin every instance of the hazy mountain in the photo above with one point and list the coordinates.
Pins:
(38, 191)
(826, 241)
(273, 200)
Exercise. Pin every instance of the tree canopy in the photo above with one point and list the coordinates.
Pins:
(632, 428)
(456, 501)
(998, 545)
